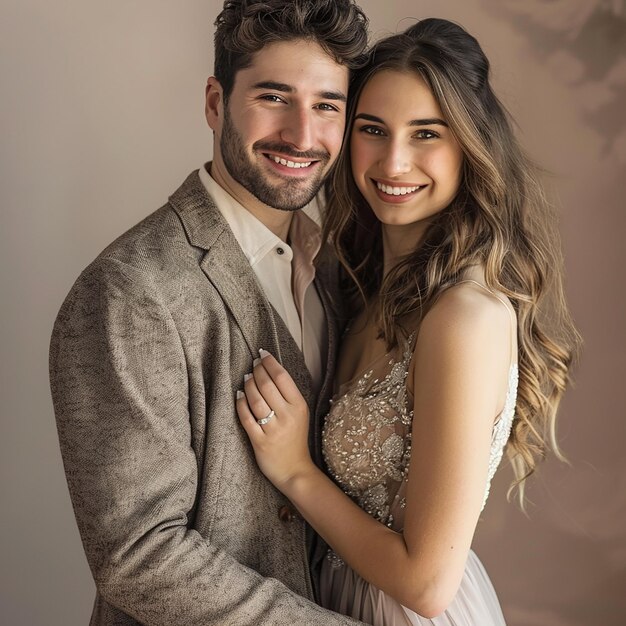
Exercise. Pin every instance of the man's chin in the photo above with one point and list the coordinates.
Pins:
(287, 205)
(284, 199)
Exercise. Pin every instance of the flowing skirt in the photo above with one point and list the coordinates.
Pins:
(475, 604)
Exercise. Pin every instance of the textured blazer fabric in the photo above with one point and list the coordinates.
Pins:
(148, 351)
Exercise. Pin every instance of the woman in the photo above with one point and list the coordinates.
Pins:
(439, 221)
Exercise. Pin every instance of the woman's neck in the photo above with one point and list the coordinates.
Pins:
(399, 242)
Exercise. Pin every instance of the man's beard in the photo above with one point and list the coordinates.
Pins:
(290, 195)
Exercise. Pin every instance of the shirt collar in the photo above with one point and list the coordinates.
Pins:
(305, 236)
(255, 239)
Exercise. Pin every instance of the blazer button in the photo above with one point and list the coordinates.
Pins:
(286, 514)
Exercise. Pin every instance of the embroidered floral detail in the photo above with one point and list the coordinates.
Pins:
(367, 439)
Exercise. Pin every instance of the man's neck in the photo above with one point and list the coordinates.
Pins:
(277, 221)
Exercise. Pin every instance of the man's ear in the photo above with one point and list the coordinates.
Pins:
(214, 103)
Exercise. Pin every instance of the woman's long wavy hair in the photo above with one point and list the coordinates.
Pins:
(499, 219)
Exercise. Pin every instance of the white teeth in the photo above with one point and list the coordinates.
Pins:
(396, 191)
(291, 164)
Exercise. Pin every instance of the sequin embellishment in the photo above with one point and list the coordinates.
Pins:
(366, 439)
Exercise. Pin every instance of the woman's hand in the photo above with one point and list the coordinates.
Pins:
(276, 417)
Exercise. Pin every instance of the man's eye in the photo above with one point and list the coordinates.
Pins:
(324, 106)
(270, 97)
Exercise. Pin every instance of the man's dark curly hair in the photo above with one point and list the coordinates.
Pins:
(245, 26)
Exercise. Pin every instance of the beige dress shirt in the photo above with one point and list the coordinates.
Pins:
(285, 272)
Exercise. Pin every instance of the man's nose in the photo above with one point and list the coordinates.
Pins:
(299, 129)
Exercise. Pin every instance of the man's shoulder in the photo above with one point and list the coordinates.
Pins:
(176, 233)
(156, 237)
(164, 247)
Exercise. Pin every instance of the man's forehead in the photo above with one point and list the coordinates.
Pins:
(293, 58)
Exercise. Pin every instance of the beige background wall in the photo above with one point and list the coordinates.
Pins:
(102, 117)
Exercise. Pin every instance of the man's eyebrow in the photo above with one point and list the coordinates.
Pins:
(332, 95)
(429, 121)
(268, 84)
(284, 88)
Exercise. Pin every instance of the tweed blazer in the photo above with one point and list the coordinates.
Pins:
(148, 350)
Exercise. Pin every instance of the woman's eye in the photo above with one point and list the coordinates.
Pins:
(372, 130)
(426, 134)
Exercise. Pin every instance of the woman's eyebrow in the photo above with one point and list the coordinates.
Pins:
(429, 121)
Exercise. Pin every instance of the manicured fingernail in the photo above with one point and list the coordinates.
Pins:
(247, 377)
(256, 362)
(239, 394)
(263, 353)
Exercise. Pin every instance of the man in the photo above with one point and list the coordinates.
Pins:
(151, 345)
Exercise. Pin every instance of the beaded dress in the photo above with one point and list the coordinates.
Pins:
(367, 447)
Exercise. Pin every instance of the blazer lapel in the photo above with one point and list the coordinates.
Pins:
(228, 269)
(292, 360)
(226, 266)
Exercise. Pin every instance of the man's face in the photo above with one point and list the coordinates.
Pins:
(282, 126)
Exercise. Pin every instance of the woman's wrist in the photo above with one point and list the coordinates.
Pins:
(299, 483)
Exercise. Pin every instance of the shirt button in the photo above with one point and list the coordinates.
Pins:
(280, 251)
(286, 514)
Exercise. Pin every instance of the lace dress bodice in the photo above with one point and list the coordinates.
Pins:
(367, 436)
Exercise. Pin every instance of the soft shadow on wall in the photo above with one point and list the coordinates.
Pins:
(566, 564)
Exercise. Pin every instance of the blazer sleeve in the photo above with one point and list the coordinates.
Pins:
(119, 388)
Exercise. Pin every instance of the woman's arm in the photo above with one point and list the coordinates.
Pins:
(460, 377)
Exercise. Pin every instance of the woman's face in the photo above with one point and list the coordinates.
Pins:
(405, 160)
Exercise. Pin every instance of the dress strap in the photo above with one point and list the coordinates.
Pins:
(504, 304)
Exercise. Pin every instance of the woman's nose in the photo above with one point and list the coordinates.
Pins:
(396, 159)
